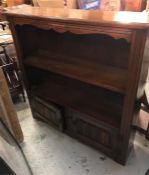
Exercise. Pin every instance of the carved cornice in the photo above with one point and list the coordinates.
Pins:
(61, 27)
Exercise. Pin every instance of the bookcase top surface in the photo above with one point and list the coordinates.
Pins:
(122, 19)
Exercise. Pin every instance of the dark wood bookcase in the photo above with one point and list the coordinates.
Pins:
(84, 72)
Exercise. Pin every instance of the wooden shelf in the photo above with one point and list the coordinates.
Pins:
(85, 99)
(108, 77)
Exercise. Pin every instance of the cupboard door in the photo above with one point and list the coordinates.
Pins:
(47, 112)
(93, 134)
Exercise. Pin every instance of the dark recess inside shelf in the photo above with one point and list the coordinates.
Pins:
(85, 98)
(96, 59)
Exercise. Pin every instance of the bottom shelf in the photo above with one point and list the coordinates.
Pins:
(103, 106)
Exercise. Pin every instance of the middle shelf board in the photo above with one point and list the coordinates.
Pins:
(105, 76)
(103, 106)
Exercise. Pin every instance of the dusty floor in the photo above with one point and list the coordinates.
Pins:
(50, 152)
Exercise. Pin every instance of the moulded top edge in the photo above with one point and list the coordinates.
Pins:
(134, 20)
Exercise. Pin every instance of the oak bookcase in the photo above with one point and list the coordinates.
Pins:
(84, 71)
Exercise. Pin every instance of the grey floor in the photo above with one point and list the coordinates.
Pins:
(50, 152)
(11, 154)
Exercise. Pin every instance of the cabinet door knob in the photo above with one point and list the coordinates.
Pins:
(74, 119)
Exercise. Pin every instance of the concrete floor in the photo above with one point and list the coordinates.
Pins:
(11, 154)
(50, 152)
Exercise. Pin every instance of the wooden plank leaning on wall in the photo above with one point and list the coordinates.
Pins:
(7, 110)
